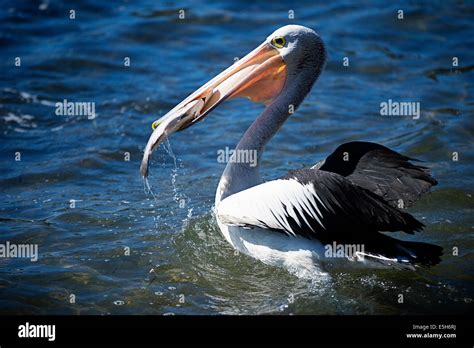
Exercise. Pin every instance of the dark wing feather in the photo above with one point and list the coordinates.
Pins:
(314, 204)
(380, 170)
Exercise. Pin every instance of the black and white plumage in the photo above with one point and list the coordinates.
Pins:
(334, 202)
(352, 197)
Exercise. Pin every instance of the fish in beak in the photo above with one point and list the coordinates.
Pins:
(259, 76)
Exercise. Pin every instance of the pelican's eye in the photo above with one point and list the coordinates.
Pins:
(279, 42)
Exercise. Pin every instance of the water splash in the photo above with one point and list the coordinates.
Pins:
(180, 198)
(174, 173)
(317, 278)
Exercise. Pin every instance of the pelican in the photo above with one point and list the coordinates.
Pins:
(349, 198)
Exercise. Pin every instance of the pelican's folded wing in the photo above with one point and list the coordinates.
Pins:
(379, 170)
(314, 204)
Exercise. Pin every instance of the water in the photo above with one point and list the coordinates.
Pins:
(178, 262)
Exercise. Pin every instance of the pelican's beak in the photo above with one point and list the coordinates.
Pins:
(259, 76)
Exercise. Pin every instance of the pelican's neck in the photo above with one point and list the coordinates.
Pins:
(242, 171)
(301, 75)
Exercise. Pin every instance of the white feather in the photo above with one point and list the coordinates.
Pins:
(264, 206)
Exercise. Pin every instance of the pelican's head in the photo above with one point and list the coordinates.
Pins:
(292, 56)
(299, 47)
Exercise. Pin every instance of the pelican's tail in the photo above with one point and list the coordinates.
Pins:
(399, 253)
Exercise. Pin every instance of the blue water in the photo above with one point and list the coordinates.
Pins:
(179, 263)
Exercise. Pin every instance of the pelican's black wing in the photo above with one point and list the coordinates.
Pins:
(314, 204)
(325, 206)
(379, 170)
